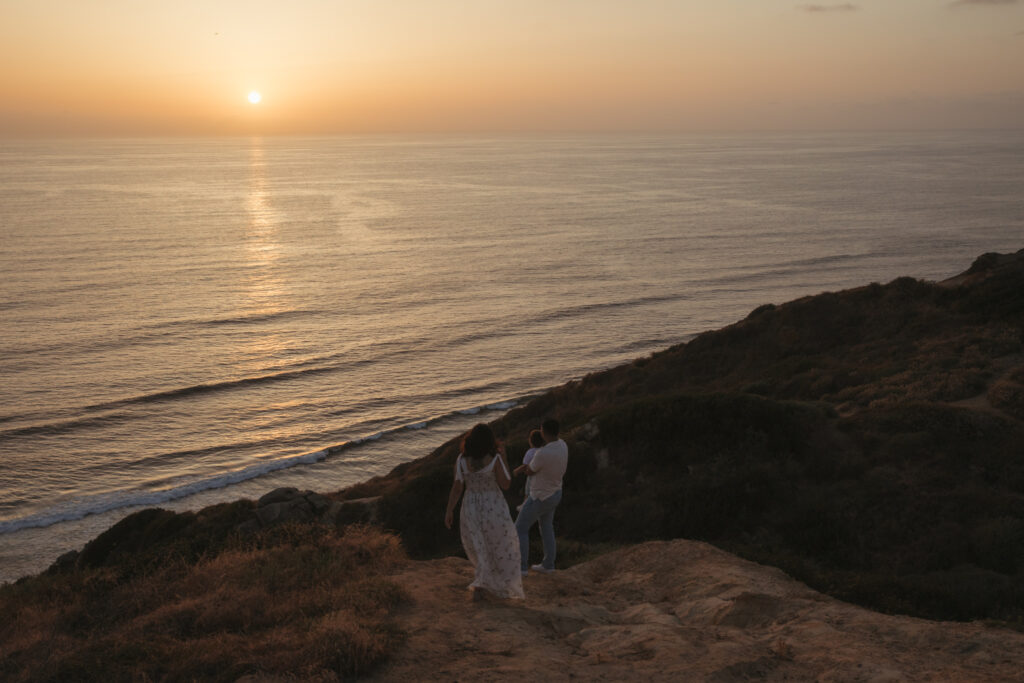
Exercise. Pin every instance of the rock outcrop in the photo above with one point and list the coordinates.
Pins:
(150, 536)
(290, 505)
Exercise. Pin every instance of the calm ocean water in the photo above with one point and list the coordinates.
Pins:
(184, 322)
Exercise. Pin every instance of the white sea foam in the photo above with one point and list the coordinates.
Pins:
(371, 437)
(92, 505)
(79, 508)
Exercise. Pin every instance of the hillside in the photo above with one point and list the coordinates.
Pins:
(869, 443)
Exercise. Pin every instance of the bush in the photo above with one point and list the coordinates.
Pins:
(297, 601)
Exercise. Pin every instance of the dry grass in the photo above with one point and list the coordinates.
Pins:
(298, 601)
(1008, 394)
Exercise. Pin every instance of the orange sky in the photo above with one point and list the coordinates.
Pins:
(135, 67)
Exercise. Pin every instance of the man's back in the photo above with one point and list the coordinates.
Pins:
(549, 462)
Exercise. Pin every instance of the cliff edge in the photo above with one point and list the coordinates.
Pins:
(673, 611)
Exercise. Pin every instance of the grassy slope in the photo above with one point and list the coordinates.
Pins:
(844, 437)
(869, 442)
(296, 600)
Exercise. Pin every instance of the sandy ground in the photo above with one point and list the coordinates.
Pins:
(677, 611)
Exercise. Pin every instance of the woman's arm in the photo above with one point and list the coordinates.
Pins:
(501, 472)
(453, 498)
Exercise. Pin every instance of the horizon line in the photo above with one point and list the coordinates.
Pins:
(505, 133)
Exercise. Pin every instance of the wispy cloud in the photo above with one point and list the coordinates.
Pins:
(838, 7)
(961, 3)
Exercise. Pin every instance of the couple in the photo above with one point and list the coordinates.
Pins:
(498, 550)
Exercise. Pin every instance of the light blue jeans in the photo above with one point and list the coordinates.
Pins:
(542, 511)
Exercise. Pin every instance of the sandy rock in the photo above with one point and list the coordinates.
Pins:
(281, 495)
(671, 611)
(318, 502)
(297, 510)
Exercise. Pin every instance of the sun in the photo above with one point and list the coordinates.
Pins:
(255, 97)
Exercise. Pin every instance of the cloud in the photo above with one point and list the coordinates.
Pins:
(838, 7)
(960, 3)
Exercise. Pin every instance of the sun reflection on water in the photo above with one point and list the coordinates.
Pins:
(265, 286)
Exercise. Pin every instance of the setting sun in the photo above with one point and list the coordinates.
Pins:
(275, 375)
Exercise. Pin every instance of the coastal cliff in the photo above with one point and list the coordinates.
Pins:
(868, 443)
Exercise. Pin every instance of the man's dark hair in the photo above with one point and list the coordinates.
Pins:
(550, 426)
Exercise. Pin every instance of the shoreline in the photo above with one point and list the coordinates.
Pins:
(387, 470)
(141, 499)
(94, 522)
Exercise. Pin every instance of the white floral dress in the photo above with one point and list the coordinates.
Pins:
(488, 534)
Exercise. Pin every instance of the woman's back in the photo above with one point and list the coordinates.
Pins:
(478, 475)
(488, 536)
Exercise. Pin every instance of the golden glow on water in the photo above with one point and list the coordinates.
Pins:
(264, 285)
(265, 290)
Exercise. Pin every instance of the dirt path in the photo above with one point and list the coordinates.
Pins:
(673, 611)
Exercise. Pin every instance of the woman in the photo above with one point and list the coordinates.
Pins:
(488, 535)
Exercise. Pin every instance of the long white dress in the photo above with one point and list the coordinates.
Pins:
(488, 534)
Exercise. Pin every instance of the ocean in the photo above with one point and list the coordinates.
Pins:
(191, 321)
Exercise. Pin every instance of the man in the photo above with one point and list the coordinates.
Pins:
(545, 471)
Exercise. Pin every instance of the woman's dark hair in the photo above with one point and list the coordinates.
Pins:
(536, 438)
(479, 442)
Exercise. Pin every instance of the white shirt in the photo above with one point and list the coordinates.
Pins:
(527, 459)
(549, 463)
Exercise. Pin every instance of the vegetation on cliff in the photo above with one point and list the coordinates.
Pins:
(869, 442)
(297, 599)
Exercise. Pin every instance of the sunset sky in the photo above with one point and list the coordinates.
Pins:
(134, 67)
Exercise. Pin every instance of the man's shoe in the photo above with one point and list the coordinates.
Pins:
(542, 569)
(525, 574)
